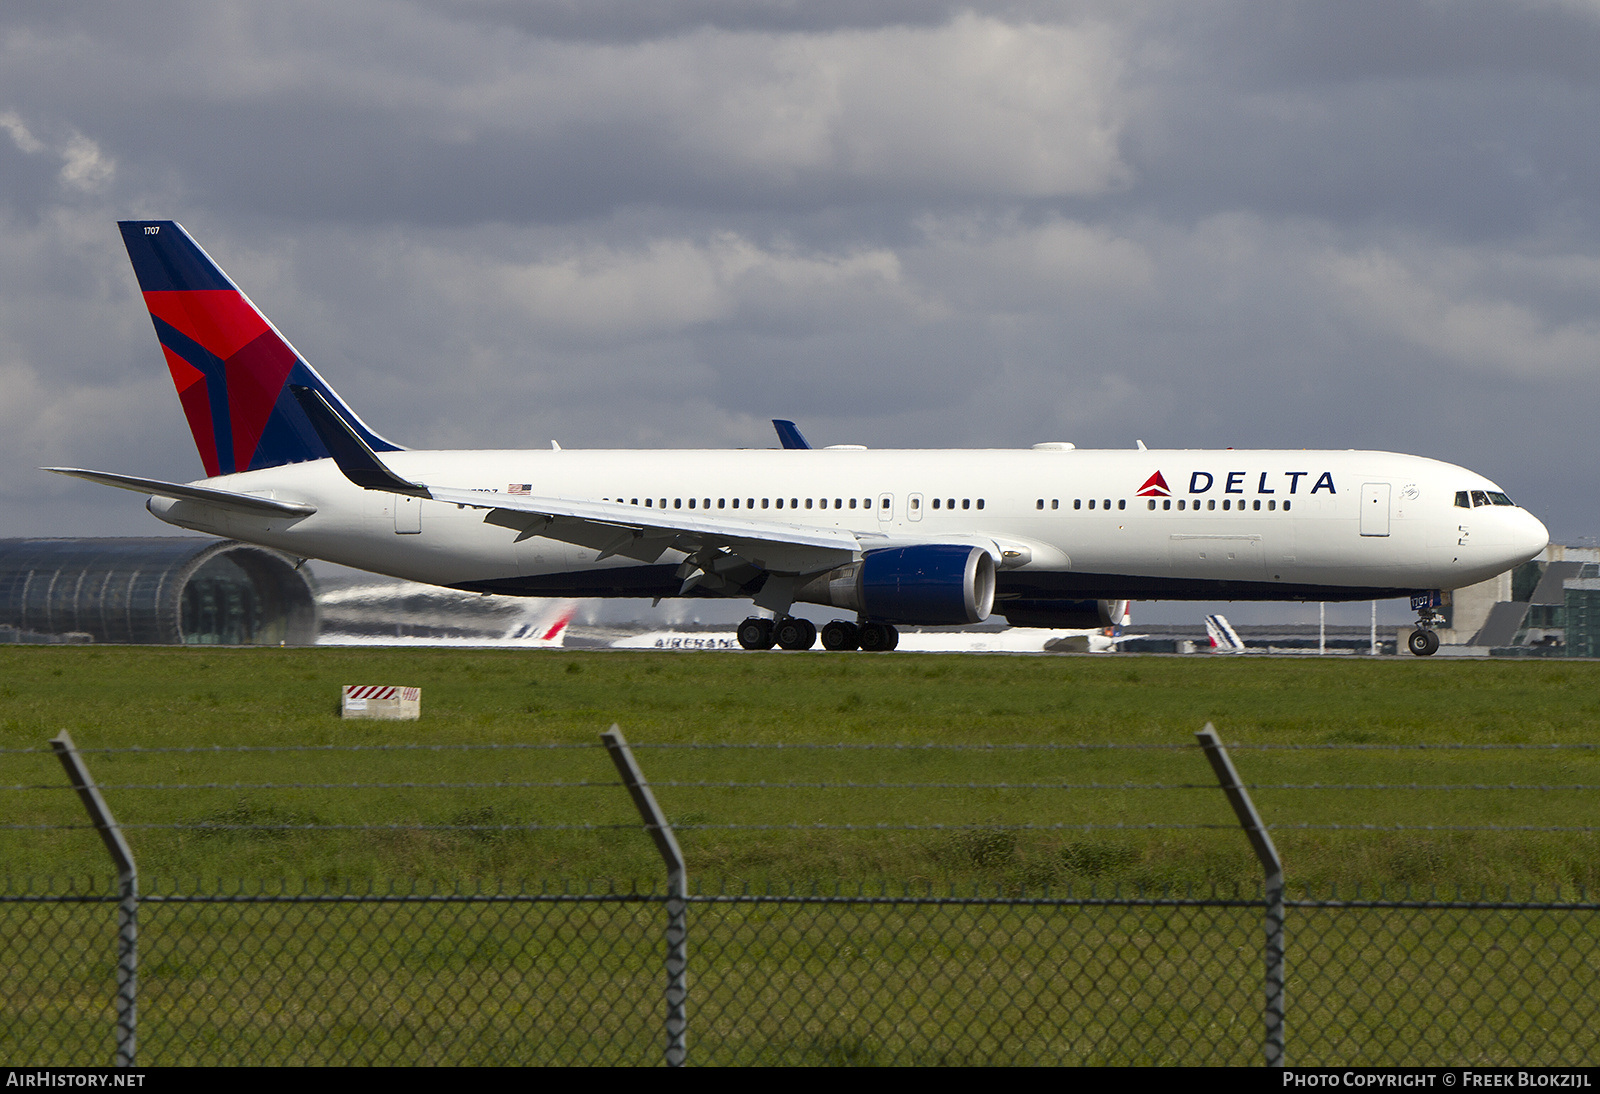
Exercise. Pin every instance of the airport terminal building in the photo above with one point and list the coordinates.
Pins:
(154, 591)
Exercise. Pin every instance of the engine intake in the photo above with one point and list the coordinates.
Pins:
(934, 584)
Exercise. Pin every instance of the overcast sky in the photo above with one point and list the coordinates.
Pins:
(1350, 224)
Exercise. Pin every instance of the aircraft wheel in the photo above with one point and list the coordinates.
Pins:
(796, 634)
(840, 635)
(879, 637)
(755, 633)
(1423, 643)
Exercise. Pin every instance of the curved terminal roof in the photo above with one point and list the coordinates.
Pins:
(156, 591)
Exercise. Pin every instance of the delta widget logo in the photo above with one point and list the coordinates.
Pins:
(1155, 487)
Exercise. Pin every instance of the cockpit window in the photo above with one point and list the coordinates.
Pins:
(1497, 498)
(1479, 497)
(1462, 501)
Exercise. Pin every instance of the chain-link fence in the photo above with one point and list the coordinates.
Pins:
(579, 978)
(169, 974)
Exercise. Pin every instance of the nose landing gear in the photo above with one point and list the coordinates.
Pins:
(1423, 641)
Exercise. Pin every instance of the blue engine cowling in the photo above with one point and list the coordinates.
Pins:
(934, 584)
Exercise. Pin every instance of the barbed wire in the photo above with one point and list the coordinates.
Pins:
(499, 785)
(1173, 746)
(513, 746)
(204, 826)
(764, 784)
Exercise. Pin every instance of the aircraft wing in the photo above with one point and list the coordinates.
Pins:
(720, 548)
(226, 499)
(632, 531)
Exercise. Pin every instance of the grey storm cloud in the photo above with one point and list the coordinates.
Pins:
(1364, 224)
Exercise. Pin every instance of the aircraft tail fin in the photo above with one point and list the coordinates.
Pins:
(789, 434)
(231, 366)
(548, 628)
(1224, 639)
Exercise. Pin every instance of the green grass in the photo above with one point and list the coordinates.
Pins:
(852, 983)
(166, 698)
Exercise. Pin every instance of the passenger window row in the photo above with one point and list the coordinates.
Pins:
(752, 503)
(1211, 503)
(1077, 503)
(1166, 503)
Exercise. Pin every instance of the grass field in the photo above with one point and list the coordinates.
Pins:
(194, 698)
(851, 982)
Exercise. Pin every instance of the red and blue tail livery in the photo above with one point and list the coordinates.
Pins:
(232, 368)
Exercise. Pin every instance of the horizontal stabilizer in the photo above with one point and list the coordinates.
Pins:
(227, 499)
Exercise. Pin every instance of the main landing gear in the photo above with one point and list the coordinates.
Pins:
(787, 632)
(791, 633)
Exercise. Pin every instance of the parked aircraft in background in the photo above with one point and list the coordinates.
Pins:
(1224, 639)
(405, 613)
(1047, 538)
(1009, 640)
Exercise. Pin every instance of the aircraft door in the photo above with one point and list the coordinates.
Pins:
(914, 506)
(407, 514)
(1375, 509)
(885, 508)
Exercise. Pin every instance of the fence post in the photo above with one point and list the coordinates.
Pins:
(655, 822)
(127, 906)
(1272, 866)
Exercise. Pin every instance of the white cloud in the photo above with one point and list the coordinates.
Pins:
(20, 134)
(1438, 302)
(976, 105)
(1005, 267)
(84, 166)
(664, 287)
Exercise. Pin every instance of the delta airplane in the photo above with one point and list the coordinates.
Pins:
(1049, 537)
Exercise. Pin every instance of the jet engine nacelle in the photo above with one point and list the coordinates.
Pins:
(1070, 615)
(934, 584)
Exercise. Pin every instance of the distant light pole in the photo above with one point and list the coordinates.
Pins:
(1322, 628)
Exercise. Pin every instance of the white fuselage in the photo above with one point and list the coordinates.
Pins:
(1262, 525)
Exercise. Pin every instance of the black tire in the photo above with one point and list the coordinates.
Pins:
(795, 634)
(755, 633)
(1423, 643)
(874, 637)
(841, 634)
(894, 636)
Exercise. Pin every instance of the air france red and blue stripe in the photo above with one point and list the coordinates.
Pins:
(232, 368)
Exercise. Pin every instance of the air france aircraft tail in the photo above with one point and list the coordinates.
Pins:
(232, 368)
(1224, 639)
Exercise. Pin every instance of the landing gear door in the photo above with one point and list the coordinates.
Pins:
(1375, 509)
